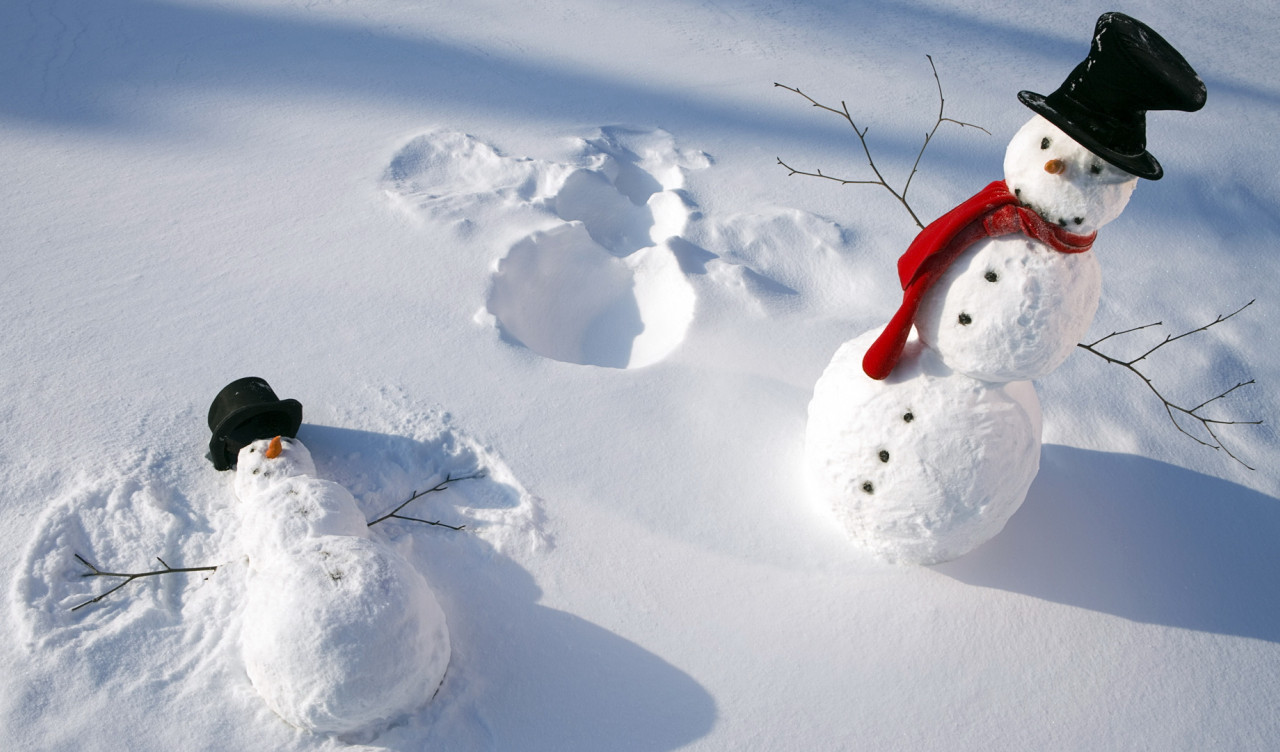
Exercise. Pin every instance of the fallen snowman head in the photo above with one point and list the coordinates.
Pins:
(925, 445)
(341, 634)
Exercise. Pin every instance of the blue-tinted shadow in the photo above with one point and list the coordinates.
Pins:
(1140, 539)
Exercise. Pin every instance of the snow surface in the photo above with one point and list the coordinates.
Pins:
(550, 242)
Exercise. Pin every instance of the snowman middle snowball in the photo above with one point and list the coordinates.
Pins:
(1011, 308)
(341, 634)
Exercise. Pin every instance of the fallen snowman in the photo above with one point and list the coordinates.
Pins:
(341, 634)
(924, 436)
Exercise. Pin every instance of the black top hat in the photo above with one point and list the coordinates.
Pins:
(1103, 103)
(243, 412)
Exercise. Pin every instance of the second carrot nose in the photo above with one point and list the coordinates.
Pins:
(1055, 166)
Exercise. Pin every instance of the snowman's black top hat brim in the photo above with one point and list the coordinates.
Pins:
(1084, 128)
(1103, 103)
(244, 411)
(248, 424)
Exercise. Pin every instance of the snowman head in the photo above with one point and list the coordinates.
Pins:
(1062, 181)
(266, 462)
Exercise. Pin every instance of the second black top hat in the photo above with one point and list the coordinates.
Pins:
(244, 411)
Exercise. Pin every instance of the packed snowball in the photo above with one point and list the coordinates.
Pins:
(925, 465)
(1012, 308)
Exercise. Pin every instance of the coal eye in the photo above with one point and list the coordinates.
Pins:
(1095, 169)
(1044, 143)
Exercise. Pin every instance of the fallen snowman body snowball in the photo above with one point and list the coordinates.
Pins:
(341, 634)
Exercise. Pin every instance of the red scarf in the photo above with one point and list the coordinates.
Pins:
(994, 211)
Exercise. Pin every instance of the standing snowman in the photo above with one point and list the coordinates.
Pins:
(924, 435)
(340, 633)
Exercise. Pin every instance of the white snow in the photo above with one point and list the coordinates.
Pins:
(550, 242)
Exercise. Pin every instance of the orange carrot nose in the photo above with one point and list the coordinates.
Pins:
(1055, 166)
(274, 448)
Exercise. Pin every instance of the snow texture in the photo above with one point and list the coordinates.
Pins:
(429, 224)
(602, 286)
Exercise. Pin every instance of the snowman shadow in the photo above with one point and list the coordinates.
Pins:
(1140, 539)
(531, 677)
(522, 675)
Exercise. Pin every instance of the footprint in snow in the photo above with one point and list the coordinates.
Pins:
(609, 282)
(603, 286)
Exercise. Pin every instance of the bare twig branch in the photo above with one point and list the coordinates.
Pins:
(442, 485)
(1124, 331)
(942, 103)
(130, 576)
(843, 112)
(1173, 410)
(821, 174)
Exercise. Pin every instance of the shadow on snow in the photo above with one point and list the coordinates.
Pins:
(1140, 539)
(523, 675)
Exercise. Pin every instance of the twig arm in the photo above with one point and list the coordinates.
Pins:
(94, 571)
(1172, 409)
(942, 103)
(861, 133)
(442, 485)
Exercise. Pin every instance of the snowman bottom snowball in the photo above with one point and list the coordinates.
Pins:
(926, 465)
